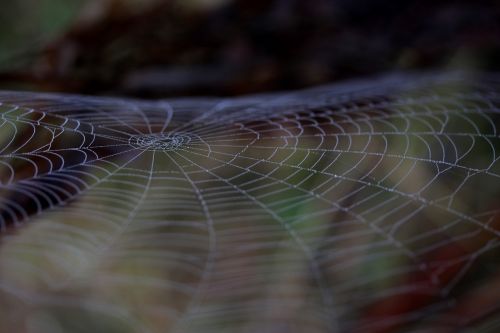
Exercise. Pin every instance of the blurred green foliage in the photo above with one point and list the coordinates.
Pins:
(28, 25)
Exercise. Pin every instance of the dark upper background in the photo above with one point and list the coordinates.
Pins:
(167, 48)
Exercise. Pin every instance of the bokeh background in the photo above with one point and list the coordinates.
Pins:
(164, 48)
(70, 271)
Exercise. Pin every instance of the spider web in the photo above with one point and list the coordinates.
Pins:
(369, 206)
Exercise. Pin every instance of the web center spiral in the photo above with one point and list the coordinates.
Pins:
(161, 142)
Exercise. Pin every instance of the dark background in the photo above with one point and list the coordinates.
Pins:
(218, 47)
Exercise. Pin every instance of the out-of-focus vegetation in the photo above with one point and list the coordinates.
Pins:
(160, 48)
(360, 209)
